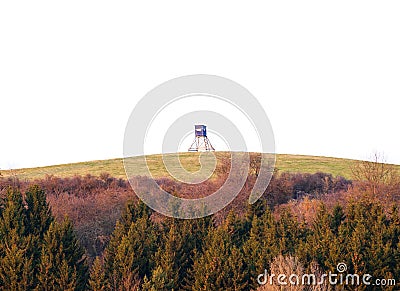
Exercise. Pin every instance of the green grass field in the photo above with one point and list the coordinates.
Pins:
(285, 163)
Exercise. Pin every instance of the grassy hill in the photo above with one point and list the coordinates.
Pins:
(288, 163)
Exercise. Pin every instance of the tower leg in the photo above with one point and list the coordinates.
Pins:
(201, 143)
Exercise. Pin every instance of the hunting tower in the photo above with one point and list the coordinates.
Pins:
(201, 141)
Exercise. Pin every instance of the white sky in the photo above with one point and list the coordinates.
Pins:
(327, 73)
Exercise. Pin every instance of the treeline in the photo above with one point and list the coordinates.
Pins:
(144, 254)
(303, 223)
(94, 204)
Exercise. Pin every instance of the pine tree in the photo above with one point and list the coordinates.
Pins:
(133, 212)
(35, 251)
(288, 232)
(323, 244)
(213, 269)
(262, 245)
(393, 236)
(38, 214)
(97, 281)
(238, 277)
(338, 216)
(171, 260)
(235, 228)
(159, 281)
(74, 254)
(12, 216)
(15, 259)
(357, 234)
(38, 218)
(110, 254)
(67, 280)
(132, 257)
(62, 262)
(15, 266)
(126, 266)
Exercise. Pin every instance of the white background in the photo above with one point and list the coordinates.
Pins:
(326, 73)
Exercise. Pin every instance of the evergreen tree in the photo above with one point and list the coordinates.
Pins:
(238, 277)
(62, 262)
(117, 260)
(262, 245)
(12, 217)
(74, 254)
(38, 218)
(236, 228)
(111, 252)
(393, 236)
(130, 255)
(67, 280)
(338, 216)
(159, 281)
(15, 255)
(289, 233)
(356, 232)
(213, 270)
(15, 265)
(97, 281)
(323, 245)
(372, 242)
(171, 259)
(38, 214)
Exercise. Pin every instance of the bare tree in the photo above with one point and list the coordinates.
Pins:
(291, 266)
(376, 173)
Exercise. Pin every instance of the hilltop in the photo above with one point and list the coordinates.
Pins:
(284, 163)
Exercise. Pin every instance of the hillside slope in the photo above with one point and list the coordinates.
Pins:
(285, 163)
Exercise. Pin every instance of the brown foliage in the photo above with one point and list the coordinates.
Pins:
(92, 203)
(375, 182)
(288, 266)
